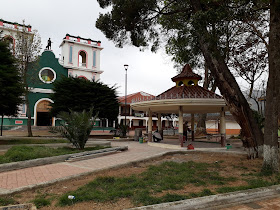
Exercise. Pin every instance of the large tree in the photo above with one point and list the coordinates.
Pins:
(201, 25)
(272, 112)
(11, 88)
(27, 52)
(79, 94)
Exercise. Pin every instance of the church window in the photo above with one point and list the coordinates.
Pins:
(94, 58)
(47, 75)
(82, 59)
(70, 54)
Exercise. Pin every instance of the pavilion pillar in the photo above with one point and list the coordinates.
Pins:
(223, 127)
(159, 125)
(150, 126)
(181, 129)
(192, 126)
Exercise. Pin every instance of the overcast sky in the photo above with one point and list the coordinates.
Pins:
(148, 72)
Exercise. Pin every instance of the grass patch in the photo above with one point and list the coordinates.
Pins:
(4, 201)
(204, 192)
(252, 183)
(32, 141)
(21, 153)
(142, 189)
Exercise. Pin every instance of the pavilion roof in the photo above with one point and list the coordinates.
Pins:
(186, 73)
(188, 92)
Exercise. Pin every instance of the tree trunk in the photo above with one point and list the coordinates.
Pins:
(271, 156)
(29, 120)
(201, 123)
(2, 119)
(238, 105)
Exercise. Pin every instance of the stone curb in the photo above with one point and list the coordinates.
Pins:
(218, 201)
(179, 148)
(95, 153)
(48, 160)
(56, 145)
(111, 140)
(27, 206)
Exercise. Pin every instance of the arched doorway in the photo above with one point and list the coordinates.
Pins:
(43, 117)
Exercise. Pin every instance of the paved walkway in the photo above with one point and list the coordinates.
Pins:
(29, 177)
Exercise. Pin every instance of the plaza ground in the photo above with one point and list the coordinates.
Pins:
(121, 164)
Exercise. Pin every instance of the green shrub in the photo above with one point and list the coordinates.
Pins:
(41, 202)
(76, 126)
(4, 201)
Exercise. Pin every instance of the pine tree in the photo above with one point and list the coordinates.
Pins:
(11, 88)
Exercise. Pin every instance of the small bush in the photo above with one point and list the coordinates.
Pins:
(4, 201)
(41, 202)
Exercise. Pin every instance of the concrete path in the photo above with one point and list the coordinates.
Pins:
(17, 180)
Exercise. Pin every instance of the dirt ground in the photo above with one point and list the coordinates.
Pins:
(232, 165)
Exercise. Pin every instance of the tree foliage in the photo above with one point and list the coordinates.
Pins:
(80, 94)
(11, 88)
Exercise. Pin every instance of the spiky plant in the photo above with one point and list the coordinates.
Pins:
(76, 126)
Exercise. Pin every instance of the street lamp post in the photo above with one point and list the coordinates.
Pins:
(125, 68)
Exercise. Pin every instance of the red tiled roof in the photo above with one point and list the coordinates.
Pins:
(186, 73)
(187, 92)
(134, 97)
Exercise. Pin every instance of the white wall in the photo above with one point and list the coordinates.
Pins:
(76, 48)
(87, 74)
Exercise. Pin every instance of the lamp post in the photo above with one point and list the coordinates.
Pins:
(125, 68)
